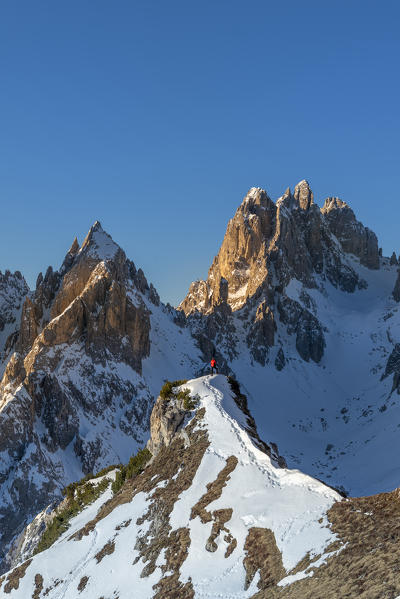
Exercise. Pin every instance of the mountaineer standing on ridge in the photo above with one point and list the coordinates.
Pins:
(213, 366)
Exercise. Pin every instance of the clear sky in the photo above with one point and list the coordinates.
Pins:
(155, 117)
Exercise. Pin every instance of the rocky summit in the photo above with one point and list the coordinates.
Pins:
(301, 311)
(267, 244)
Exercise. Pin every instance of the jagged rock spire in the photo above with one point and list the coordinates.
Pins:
(353, 236)
(74, 249)
(99, 244)
(303, 195)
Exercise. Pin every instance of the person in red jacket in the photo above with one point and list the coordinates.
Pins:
(213, 366)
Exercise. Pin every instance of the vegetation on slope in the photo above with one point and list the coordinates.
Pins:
(78, 496)
(168, 393)
(135, 466)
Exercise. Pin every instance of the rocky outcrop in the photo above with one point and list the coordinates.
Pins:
(353, 236)
(393, 367)
(396, 290)
(167, 418)
(393, 260)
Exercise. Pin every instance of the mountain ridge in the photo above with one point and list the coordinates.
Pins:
(313, 339)
(211, 515)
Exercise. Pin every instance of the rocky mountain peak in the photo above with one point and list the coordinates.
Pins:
(292, 238)
(256, 195)
(74, 249)
(335, 203)
(303, 195)
(353, 236)
(266, 246)
(99, 244)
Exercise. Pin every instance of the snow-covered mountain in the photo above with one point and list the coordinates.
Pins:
(299, 305)
(214, 516)
(91, 351)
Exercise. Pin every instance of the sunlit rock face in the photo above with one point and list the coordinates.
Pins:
(73, 384)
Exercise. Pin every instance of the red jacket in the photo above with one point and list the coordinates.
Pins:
(213, 363)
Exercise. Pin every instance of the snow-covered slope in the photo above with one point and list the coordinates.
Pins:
(192, 524)
(339, 419)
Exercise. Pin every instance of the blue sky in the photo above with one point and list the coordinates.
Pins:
(156, 117)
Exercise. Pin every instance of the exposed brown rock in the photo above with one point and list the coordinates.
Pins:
(178, 456)
(12, 582)
(38, 586)
(214, 491)
(175, 555)
(108, 549)
(82, 583)
(367, 565)
(263, 556)
(239, 268)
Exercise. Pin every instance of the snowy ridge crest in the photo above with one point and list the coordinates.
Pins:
(235, 492)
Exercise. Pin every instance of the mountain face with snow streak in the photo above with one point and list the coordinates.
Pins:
(13, 289)
(299, 305)
(73, 397)
(212, 515)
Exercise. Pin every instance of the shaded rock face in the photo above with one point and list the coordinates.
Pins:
(396, 290)
(262, 332)
(266, 246)
(393, 367)
(13, 290)
(310, 340)
(353, 236)
(74, 384)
